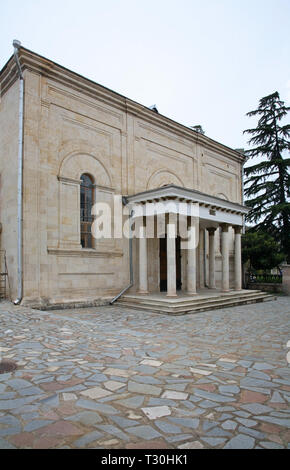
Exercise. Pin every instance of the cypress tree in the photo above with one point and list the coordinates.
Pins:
(267, 183)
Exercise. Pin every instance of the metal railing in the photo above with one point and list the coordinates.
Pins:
(253, 278)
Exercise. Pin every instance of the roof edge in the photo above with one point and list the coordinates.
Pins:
(37, 63)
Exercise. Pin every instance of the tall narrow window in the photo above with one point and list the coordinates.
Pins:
(87, 195)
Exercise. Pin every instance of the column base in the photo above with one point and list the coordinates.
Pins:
(143, 292)
(171, 295)
(225, 290)
(191, 293)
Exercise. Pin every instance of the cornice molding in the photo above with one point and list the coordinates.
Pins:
(172, 191)
(33, 62)
(84, 253)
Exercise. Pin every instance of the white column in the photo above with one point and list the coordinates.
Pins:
(225, 258)
(201, 258)
(191, 262)
(171, 260)
(211, 232)
(143, 277)
(238, 258)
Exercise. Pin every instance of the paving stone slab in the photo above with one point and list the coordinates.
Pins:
(256, 408)
(249, 423)
(133, 402)
(88, 418)
(17, 403)
(109, 429)
(191, 445)
(251, 432)
(112, 385)
(218, 432)
(51, 401)
(87, 439)
(124, 422)
(206, 425)
(214, 441)
(18, 384)
(276, 398)
(213, 396)
(241, 441)
(31, 391)
(144, 388)
(36, 424)
(229, 389)
(271, 445)
(5, 444)
(166, 427)
(156, 411)
(271, 419)
(262, 366)
(178, 438)
(145, 432)
(91, 405)
(192, 423)
(229, 425)
(173, 395)
(95, 393)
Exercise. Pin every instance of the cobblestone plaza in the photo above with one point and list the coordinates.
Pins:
(107, 377)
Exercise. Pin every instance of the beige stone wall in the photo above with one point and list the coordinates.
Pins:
(286, 279)
(8, 180)
(68, 133)
(64, 137)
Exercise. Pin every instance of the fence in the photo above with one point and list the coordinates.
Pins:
(253, 278)
(4, 281)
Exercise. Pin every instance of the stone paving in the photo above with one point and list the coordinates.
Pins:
(107, 377)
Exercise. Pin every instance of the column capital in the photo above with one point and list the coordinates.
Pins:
(225, 227)
(211, 230)
(237, 229)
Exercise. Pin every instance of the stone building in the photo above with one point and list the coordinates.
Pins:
(83, 143)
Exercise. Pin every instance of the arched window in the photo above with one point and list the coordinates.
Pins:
(87, 201)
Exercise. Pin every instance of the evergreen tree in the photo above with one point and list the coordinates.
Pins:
(261, 250)
(267, 183)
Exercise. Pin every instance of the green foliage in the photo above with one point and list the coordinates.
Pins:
(261, 250)
(267, 183)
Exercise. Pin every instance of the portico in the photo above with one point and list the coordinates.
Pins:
(205, 229)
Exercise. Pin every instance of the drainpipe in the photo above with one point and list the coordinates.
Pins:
(243, 198)
(130, 259)
(205, 259)
(17, 45)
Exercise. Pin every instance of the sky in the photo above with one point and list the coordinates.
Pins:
(204, 62)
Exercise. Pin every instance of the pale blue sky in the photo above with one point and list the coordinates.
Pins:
(202, 62)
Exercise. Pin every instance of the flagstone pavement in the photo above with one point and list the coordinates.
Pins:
(108, 377)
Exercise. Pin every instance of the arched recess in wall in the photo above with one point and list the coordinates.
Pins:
(75, 165)
(72, 167)
(79, 156)
(163, 177)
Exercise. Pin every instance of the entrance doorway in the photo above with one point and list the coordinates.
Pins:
(163, 263)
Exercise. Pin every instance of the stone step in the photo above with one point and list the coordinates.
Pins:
(189, 301)
(213, 304)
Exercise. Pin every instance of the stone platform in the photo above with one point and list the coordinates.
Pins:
(205, 299)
